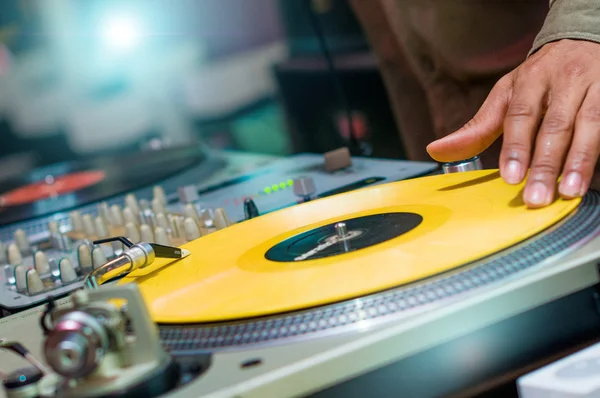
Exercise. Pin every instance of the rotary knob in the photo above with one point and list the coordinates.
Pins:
(471, 164)
(304, 187)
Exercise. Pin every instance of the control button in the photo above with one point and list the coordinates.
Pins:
(161, 236)
(161, 221)
(190, 212)
(23, 382)
(158, 206)
(14, 254)
(67, 272)
(221, 220)
(132, 203)
(146, 234)
(21, 278)
(76, 222)
(98, 257)
(462, 165)
(22, 241)
(34, 282)
(101, 228)
(131, 231)
(304, 187)
(188, 194)
(53, 227)
(104, 211)
(250, 209)
(159, 195)
(116, 216)
(84, 258)
(130, 216)
(88, 225)
(337, 159)
(192, 232)
(41, 264)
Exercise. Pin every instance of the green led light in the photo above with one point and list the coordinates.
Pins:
(268, 190)
(282, 185)
(290, 183)
(275, 187)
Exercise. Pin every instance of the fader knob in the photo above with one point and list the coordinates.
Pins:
(250, 209)
(471, 164)
(34, 282)
(304, 187)
(67, 273)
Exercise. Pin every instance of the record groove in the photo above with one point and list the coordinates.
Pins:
(584, 223)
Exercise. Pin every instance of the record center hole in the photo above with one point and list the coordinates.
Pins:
(250, 363)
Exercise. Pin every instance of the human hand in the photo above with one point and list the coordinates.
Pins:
(549, 112)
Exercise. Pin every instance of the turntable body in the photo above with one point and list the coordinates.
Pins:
(485, 298)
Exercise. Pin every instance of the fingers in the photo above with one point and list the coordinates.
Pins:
(552, 143)
(585, 148)
(521, 125)
(479, 133)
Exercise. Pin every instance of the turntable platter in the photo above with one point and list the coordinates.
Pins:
(393, 234)
(64, 186)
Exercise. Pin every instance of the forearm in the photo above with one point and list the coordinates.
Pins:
(570, 19)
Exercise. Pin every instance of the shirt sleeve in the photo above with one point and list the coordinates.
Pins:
(570, 19)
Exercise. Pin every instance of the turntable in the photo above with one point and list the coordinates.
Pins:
(419, 288)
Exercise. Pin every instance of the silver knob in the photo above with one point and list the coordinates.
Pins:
(463, 165)
(304, 187)
(76, 345)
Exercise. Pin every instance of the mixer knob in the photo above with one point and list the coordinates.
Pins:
(190, 211)
(161, 236)
(304, 187)
(132, 203)
(88, 225)
(132, 232)
(53, 227)
(188, 194)
(67, 272)
(192, 232)
(101, 228)
(98, 257)
(337, 159)
(84, 258)
(130, 216)
(34, 283)
(21, 278)
(14, 254)
(159, 195)
(146, 234)
(161, 221)
(41, 264)
(22, 241)
(158, 206)
(116, 216)
(76, 221)
(250, 209)
(221, 220)
(462, 165)
(104, 211)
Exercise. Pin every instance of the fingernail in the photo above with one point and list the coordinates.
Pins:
(537, 194)
(512, 172)
(571, 185)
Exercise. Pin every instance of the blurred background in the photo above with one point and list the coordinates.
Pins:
(80, 78)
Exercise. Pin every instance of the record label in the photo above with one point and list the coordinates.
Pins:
(361, 232)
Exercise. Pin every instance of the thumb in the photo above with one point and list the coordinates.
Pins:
(480, 132)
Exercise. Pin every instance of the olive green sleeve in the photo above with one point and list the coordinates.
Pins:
(570, 19)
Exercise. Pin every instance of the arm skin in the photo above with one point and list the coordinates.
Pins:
(548, 110)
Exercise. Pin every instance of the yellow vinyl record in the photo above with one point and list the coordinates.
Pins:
(344, 247)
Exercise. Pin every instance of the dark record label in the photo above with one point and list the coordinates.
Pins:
(360, 233)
